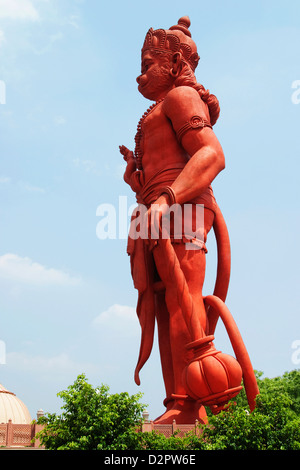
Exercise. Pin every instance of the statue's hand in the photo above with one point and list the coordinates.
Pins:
(155, 215)
(131, 163)
(127, 154)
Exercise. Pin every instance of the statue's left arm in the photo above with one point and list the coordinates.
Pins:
(190, 120)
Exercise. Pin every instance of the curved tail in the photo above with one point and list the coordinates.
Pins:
(239, 348)
(215, 307)
(223, 268)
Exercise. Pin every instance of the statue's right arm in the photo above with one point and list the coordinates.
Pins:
(184, 106)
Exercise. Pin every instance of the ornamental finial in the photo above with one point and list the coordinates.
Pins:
(183, 25)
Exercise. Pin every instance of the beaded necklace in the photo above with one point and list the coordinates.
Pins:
(138, 152)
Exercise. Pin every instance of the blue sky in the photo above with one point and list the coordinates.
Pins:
(67, 302)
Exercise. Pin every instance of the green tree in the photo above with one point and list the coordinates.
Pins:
(273, 425)
(92, 419)
(287, 384)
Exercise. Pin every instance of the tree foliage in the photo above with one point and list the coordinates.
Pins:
(93, 419)
(273, 425)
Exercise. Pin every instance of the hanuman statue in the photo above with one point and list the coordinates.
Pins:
(176, 158)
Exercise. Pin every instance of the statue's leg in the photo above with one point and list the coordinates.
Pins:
(174, 335)
(173, 330)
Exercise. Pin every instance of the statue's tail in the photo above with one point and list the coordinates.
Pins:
(223, 268)
(238, 346)
(215, 307)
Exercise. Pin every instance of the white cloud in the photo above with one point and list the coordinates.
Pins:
(47, 367)
(31, 189)
(120, 170)
(18, 10)
(74, 19)
(24, 270)
(2, 37)
(39, 363)
(50, 42)
(89, 166)
(5, 179)
(118, 318)
(60, 120)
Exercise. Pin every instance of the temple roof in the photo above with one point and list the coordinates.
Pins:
(11, 407)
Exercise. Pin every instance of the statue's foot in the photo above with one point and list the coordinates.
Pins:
(183, 410)
(168, 403)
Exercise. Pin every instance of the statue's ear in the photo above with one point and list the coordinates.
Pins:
(176, 64)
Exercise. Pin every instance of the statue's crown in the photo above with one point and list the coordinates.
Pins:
(176, 39)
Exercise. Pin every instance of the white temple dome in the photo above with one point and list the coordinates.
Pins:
(12, 408)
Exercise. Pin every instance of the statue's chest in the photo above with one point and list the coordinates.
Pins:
(154, 130)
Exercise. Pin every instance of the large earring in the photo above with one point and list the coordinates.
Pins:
(173, 73)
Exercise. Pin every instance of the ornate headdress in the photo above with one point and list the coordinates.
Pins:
(175, 39)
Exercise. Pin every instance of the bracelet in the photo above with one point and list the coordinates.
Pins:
(170, 192)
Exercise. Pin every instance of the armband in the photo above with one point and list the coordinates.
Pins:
(195, 122)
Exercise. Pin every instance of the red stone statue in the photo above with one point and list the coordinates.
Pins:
(176, 158)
